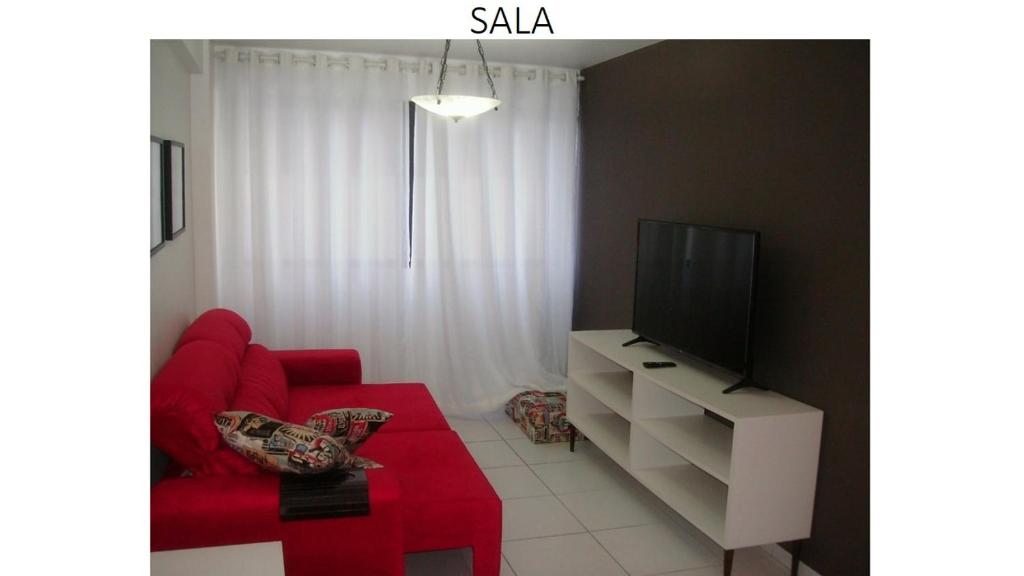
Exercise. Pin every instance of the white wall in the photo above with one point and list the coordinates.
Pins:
(202, 179)
(172, 269)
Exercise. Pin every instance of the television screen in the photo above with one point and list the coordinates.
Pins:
(694, 290)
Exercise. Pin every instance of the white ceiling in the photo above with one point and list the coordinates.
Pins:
(577, 54)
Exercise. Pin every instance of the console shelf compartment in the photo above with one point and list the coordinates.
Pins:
(701, 440)
(697, 497)
(603, 426)
(608, 431)
(613, 389)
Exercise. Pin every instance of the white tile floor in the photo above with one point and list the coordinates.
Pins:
(579, 514)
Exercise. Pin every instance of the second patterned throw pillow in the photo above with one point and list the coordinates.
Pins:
(349, 426)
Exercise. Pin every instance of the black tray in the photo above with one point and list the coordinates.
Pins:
(330, 495)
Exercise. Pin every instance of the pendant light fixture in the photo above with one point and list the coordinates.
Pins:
(458, 106)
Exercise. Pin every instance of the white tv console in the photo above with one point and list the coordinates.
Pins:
(748, 484)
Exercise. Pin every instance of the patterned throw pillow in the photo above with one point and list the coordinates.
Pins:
(284, 447)
(350, 426)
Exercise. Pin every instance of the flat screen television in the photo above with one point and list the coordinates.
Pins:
(694, 292)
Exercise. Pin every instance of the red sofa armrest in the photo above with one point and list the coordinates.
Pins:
(321, 366)
(196, 512)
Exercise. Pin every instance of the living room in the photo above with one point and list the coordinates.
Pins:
(752, 113)
(543, 306)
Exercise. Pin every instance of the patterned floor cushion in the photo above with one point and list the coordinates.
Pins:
(540, 415)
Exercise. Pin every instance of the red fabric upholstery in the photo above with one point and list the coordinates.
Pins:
(226, 510)
(429, 495)
(196, 383)
(358, 545)
(263, 388)
(412, 405)
(321, 366)
(447, 502)
(214, 511)
(221, 326)
(230, 317)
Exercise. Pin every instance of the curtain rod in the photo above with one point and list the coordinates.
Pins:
(343, 61)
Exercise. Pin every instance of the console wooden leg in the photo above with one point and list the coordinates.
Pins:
(572, 438)
(727, 565)
(795, 564)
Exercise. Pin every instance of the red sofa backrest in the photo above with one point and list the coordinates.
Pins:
(263, 385)
(201, 379)
(221, 326)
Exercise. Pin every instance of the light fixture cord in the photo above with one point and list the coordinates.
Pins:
(487, 69)
(444, 69)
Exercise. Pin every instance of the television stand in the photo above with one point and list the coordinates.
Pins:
(744, 478)
(746, 382)
(638, 340)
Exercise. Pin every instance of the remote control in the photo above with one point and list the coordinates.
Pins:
(659, 364)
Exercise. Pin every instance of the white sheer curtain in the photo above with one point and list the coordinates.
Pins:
(313, 218)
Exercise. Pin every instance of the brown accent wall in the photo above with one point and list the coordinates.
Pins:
(767, 135)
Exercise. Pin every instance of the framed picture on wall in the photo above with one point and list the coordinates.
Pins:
(174, 164)
(156, 194)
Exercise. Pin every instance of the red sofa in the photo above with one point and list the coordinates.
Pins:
(429, 495)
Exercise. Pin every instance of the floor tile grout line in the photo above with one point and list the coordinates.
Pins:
(507, 563)
(573, 491)
(672, 522)
(525, 497)
(552, 494)
(549, 492)
(521, 463)
(590, 533)
(586, 531)
(559, 496)
(562, 535)
(518, 540)
(499, 466)
(544, 483)
(685, 570)
(573, 533)
(559, 500)
(609, 553)
(546, 487)
(560, 493)
(571, 459)
(534, 472)
(676, 521)
(504, 558)
(532, 469)
(573, 516)
(714, 564)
